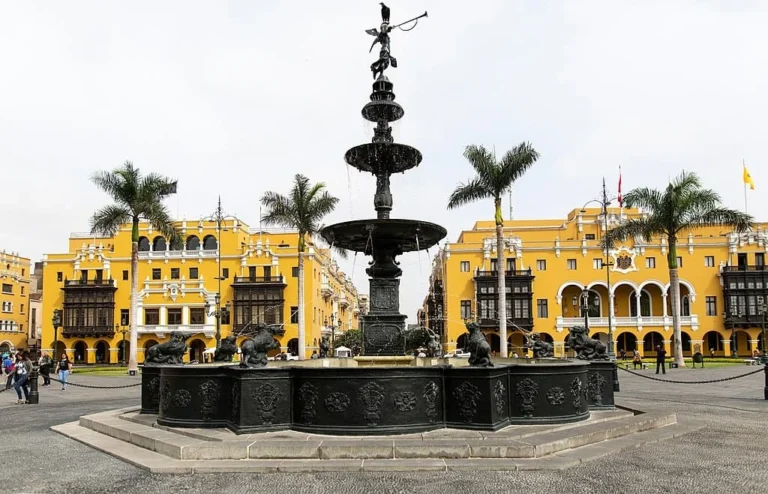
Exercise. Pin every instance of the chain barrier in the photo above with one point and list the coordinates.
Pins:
(692, 382)
(96, 387)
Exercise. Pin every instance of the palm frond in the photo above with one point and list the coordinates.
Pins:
(280, 210)
(155, 186)
(645, 228)
(482, 160)
(737, 220)
(473, 190)
(643, 197)
(109, 219)
(160, 218)
(319, 207)
(513, 165)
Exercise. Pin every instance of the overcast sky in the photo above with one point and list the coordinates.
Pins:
(234, 98)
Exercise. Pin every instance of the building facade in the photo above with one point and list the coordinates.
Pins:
(254, 272)
(14, 301)
(553, 266)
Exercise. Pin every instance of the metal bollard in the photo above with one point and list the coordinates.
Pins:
(616, 385)
(34, 396)
(765, 388)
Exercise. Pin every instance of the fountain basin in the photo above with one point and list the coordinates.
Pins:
(383, 157)
(372, 400)
(365, 235)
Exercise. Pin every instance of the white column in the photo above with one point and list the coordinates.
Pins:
(664, 303)
(185, 315)
(611, 307)
(163, 316)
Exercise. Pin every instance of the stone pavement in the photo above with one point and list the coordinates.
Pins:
(725, 456)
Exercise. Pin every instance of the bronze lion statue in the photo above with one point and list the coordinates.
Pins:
(478, 347)
(586, 348)
(227, 349)
(541, 348)
(255, 348)
(169, 352)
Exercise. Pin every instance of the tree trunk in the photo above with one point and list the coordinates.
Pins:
(302, 342)
(500, 271)
(674, 286)
(133, 363)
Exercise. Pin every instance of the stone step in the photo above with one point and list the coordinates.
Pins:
(160, 464)
(183, 447)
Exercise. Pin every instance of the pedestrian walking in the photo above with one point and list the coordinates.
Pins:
(45, 368)
(661, 354)
(22, 368)
(63, 368)
(8, 365)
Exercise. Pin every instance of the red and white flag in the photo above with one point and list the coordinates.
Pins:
(621, 199)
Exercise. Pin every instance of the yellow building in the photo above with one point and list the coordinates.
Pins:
(14, 301)
(549, 263)
(178, 285)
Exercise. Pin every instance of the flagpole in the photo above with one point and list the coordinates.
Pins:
(744, 167)
(621, 200)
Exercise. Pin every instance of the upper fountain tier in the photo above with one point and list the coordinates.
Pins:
(383, 156)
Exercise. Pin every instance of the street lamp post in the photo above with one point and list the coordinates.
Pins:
(604, 202)
(56, 321)
(734, 314)
(218, 216)
(122, 331)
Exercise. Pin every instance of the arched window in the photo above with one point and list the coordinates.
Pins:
(177, 244)
(685, 306)
(158, 244)
(143, 244)
(645, 304)
(594, 307)
(193, 243)
(209, 243)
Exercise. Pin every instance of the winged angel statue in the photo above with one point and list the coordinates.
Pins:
(382, 37)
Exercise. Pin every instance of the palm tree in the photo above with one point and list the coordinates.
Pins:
(137, 197)
(493, 179)
(301, 210)
(683, 206)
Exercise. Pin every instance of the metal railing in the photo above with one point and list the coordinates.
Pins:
(507, 273)
(260, 279)
(108, 282)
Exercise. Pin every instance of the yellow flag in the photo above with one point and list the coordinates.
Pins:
(748, 178)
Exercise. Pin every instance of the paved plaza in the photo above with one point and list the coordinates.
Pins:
(725, 456)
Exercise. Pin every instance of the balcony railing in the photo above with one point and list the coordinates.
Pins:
(507, 273)
(109, 283)
(731, 269)
(325, 289)
(652, 321)
(88, 331)
(259, 279)
(343, 300)
(209, 330)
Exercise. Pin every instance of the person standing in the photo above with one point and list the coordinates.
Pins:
(8, 365)
(661, 354)
(21, 371)
(45, 368)
(63, 368)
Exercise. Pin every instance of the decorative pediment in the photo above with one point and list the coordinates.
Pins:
(624, 260)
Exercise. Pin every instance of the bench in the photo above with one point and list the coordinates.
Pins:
(750, 361)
